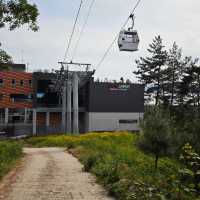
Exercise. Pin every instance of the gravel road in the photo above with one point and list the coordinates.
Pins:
(53, 174)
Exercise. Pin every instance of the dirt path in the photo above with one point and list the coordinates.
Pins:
(52, 174)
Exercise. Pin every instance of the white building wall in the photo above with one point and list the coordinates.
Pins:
(111, 121)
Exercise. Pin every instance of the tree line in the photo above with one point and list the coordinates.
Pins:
(172, 88)
(170, 78)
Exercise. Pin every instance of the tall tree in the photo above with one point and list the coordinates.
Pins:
(16, 13)
(173, 71)
(149, 69)
(196, 83)
(4, 57)
(190, 86)
(182, 88)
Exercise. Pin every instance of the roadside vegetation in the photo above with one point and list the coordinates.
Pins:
(124, 168)
(10, 152)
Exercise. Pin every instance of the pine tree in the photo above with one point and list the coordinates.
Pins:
(173, 72)
(190, 86)
(182, 88)
(149, 69)
(156, 132)
(196, 84)
(189, 89)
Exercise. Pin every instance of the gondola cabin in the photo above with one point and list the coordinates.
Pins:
(128, 40)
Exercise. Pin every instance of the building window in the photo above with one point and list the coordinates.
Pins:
(1, 97)
(30, 83)
(21, 98)
(13, 82)
(128, 121)
(21, 83)
(2, 115)
(1, 82)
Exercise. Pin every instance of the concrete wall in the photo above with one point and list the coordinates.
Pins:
(45, 130)
(111, 121)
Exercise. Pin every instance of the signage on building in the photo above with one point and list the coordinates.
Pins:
(122, 87)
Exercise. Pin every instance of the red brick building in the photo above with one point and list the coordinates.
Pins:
(16, 95)
(16, 90)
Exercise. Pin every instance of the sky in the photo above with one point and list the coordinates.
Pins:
(174, 20)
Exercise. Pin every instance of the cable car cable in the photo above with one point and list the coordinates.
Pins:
(73, 30)
(69, 44)
(83, 28)
(116, 37)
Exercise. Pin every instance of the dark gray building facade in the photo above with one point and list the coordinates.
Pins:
(115, 106)
(103, 106)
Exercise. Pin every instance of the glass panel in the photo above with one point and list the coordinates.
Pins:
(1, 82)
(128, 121)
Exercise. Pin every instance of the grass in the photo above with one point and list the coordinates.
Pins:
(120, 166)
(10, 152)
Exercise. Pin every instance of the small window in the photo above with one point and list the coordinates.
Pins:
(30, 83)
(1, 97)
(21, 97)
(130, 33)
(1, 82)
(21, 83)
(127, 121)
(13, 82)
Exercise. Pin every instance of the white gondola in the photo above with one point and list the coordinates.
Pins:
(128, 39)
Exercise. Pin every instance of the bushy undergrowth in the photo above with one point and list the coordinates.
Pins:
(119, 165)
(9, 153)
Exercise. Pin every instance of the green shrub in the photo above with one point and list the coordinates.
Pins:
(107, 169)
(190, 175)
(9, 153)
(89, 160)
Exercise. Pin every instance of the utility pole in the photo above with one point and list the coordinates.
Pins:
(64, 103)
(75, 104)
(34, 121)
(6, 115)
(69, 105)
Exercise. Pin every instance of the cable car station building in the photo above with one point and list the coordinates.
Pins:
(101, 106)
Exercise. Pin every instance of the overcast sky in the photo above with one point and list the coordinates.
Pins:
(174, 20)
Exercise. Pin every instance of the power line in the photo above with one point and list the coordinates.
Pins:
(73, 30)
(83, 28)
(116, 37)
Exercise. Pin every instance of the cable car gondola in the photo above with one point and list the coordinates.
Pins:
(128, 39)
